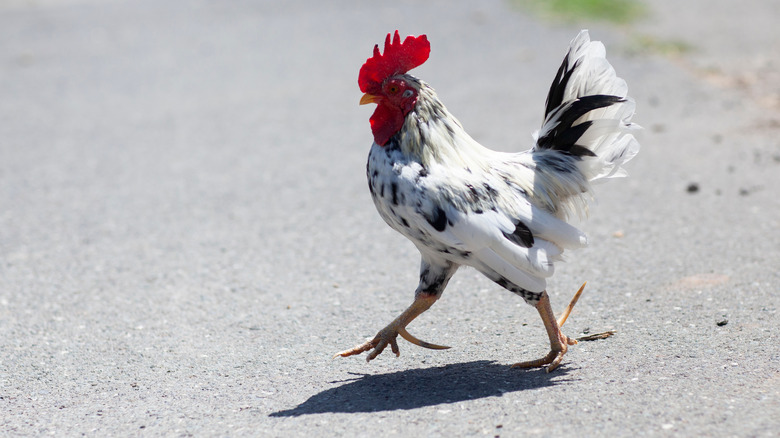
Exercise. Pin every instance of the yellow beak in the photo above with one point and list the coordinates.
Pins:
(369, 98)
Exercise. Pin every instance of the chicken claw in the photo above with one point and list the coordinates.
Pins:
(389, 334)
(553, 358)
(565, 315)
(558, 341)
(381, 340)
(406, 335)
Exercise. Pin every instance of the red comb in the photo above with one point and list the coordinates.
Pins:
(398, 58)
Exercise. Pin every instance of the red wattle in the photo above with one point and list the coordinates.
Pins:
(385, 123)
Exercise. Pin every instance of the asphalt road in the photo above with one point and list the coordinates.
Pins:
(186, 236)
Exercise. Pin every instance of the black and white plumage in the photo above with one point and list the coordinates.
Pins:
(504, 214)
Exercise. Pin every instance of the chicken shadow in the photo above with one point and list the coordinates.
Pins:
(418, 388)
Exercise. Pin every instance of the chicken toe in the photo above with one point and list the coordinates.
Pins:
(387, 336)
(558, 341)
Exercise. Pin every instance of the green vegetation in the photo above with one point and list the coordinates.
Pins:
(620, 12)
(614, 11)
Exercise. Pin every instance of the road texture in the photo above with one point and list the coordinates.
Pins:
(186, 235)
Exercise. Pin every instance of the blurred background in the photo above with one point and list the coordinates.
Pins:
(186, 235)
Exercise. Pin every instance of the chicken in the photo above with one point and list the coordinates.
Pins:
(504, 214)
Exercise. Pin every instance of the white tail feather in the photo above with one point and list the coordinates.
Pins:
(588, 119)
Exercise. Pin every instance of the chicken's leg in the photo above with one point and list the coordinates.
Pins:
(388, 335)
(558, 341)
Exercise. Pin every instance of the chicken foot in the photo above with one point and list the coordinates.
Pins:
(558, 341)
(388, 335)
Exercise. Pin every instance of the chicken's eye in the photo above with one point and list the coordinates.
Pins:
(392, 89)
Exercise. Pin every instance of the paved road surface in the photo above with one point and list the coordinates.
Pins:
(186, 236)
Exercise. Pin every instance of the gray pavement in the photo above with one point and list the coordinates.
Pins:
(186, 236)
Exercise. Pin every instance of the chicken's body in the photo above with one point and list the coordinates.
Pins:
(501, 213)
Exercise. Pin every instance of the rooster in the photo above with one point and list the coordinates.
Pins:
(504, 214)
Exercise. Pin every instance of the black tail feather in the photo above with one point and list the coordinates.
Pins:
(558, 87)
(563, 136)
